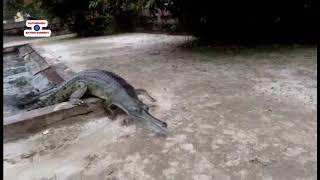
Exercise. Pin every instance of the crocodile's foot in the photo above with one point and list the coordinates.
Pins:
(113, 115)
(112, 112)
(127, 121)
(77, 102)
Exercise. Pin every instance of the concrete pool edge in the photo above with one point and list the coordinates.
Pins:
(45, 63)
(15, 126)
(37, 118)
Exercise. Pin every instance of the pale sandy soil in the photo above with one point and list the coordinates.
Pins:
(233, 113)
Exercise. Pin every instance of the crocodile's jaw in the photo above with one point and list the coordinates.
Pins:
(137, 112)
(151, 122)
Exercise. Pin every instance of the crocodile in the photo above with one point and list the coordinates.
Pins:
(111, 88)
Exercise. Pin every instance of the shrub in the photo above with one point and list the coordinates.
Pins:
(96, 17)
(210, 20)
(94, 25)
(32, 7)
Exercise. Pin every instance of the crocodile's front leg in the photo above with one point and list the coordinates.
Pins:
(145, 93)
(79, 93)
(107, 105)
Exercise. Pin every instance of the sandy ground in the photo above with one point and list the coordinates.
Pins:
(233, 113)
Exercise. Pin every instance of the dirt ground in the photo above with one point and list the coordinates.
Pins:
(233, 112)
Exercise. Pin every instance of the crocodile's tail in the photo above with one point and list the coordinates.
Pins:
(33, 97)
(26, 100)
(33, 103)
(36, 104)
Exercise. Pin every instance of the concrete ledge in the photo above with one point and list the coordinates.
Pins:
(49, 71)
(32, 120)
(14, 25)
(50, 60)
(10, 49)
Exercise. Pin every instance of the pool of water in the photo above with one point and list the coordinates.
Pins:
(20, 78)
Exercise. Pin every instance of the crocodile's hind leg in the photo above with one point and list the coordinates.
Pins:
(145, 93)
(76, 95)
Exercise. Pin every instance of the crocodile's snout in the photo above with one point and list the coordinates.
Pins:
(151, 122)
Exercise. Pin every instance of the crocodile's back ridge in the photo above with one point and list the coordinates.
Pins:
(107, 74)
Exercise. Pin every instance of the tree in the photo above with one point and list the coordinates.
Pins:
(96, 17)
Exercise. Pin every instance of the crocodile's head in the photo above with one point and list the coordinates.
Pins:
(140, 113)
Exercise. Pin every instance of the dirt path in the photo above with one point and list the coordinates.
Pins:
(233, 113)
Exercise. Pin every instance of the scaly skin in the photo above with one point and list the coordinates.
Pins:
(107, 86)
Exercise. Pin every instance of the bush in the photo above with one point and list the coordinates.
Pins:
(96, 17)
(94, 25)
(210, 20)
(33, 7)
(10, 8)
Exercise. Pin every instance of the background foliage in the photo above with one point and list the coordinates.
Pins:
(206, 19)
(87, 18)
(11, 7)
(264, 19)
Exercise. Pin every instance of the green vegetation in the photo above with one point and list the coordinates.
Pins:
(208, 20)
(11, 7)
(86, 18)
